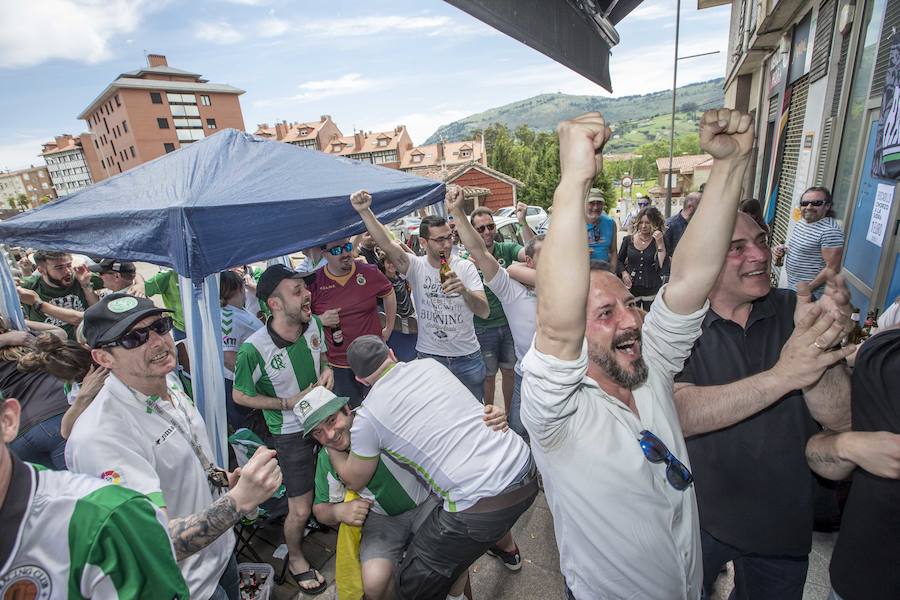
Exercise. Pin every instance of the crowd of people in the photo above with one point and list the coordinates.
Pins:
(674, 405)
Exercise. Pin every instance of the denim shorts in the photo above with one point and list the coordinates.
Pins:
(497, 348)
(469, 369)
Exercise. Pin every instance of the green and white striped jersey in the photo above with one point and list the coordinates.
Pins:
(270, 366)
(72, 536)
(393, 489)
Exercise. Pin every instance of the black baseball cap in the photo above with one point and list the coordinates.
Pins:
(112, 317)
(107, 265)
(274, 275)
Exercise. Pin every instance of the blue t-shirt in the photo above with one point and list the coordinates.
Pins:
(600, 237)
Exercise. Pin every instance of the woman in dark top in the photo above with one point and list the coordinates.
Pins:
(41, 395)
(642, 257)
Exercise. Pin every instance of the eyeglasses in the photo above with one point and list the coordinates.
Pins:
(138, 337)
(338, 250)
(440, 240)
(655, 451)
(812, 202)
(488, 226)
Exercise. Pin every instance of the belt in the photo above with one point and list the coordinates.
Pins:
(509, 497)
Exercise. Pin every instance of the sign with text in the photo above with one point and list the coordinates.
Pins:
(881, 213)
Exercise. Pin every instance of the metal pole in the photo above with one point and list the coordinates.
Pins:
(672, 131)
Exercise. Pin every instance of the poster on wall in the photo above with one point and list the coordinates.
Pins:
(887, 143)
(881, 213)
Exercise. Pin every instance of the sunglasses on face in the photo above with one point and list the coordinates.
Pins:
(678, 475)
(488, 226)
(812, 202)
(338, 250)
(138, 337)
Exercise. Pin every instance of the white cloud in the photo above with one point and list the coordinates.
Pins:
(247, 2)
(78, 30)
(272, 27)
(365, 26)
(220, 32)
(22, 151)
(650, 11)
(351, 83)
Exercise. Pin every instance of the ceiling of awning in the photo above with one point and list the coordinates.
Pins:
(574, 33)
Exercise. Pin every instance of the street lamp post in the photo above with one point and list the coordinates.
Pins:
(674, 93)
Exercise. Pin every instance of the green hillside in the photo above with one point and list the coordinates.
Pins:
(639, 119)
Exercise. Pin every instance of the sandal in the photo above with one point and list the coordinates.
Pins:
(310, 575)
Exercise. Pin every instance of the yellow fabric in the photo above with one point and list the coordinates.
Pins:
(348, 572)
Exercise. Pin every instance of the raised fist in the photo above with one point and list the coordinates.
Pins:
(726, 134)
(361, 200)
(581, 142)
(454, 198)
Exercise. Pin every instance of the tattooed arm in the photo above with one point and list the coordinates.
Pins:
(836, 455)
(250, 487)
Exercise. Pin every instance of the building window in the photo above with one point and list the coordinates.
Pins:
(204, 100)
(181, 98)
(465, 153)
(211, 123)
(44, 185)
(382, 142)
(105, 124)
(417, 158)
(155, 97)
(125, 126)
(133, 153)
(169, 147)
(96, 144)
(162, 122)
(117, 101)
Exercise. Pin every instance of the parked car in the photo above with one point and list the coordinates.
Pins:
(534, 215)
(406, 227)
(508, 229)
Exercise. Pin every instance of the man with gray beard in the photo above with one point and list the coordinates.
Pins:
(597, 386)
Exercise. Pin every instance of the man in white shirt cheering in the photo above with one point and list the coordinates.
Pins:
(444, 309)
(597, 386)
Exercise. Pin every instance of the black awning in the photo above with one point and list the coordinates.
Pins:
(574, 33)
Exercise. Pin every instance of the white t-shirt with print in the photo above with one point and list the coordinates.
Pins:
(121, 439)
(520, 307)
(237, 326)
(422, 416)
(445, 323)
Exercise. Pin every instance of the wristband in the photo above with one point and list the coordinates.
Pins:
(37, 305)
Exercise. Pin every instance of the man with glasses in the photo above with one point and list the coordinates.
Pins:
(142, 431)
(494, 336)
(345, 295)
(597, 384)
(763, 373)
(276, 367)
(816, 243)
(444, 309)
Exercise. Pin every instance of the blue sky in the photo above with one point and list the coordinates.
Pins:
(370, 65)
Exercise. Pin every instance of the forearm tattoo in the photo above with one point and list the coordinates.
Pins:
(195, 532)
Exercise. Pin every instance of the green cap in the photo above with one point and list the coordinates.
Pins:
(316, 406)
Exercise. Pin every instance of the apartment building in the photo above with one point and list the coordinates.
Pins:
(443, 155)
(814, 74)
(71, 162)
(313, 135)
(154, 110)
(34, 182)
(385, 148)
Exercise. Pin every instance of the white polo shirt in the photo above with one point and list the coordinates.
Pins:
(520, 307)
(422, 416)
(622, 530)
(120, 438)
(446, 326)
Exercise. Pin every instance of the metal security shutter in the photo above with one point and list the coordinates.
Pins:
(792, 140)
(774, 108)
(890, 23)
(822, 45)
(822, 163)
(839, 76)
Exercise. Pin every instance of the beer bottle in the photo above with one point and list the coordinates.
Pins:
(444, 270)
(337, 335)
(779, 260)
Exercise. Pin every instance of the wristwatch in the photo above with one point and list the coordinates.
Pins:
(37, 305)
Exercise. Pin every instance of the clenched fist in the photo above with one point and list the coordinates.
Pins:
(726, 134)
(361, 200)
(581, 142)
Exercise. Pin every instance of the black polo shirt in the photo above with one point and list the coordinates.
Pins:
(866, 560)
(754, 488)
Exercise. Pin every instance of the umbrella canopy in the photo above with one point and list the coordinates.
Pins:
(230, 199)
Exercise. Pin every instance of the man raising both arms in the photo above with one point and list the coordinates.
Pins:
(602, 421)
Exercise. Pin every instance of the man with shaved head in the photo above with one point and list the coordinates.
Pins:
(597, 384)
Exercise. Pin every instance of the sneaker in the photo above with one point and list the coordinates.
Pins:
(511, 560)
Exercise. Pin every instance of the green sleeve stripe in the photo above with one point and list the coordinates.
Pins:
(117, 531)
(426, 476)
(363, 457)
(157, 498)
